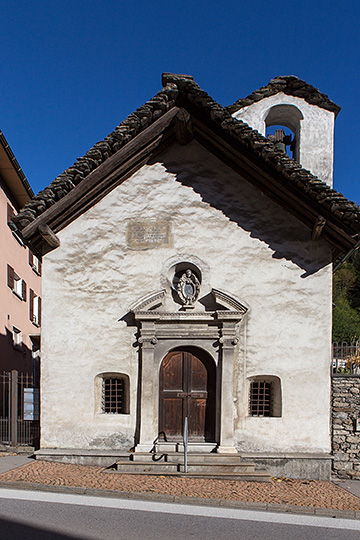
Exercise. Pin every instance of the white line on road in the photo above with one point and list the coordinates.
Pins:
(183, 509)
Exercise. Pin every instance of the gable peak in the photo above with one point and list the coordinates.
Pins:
(292, 86)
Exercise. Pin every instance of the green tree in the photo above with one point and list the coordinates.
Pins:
(346, 299)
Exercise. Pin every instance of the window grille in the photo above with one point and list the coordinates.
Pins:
(114, 396)
(260, 398)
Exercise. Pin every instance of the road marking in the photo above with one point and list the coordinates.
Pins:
(183, 509)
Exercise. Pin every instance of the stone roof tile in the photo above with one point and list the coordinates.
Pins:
(292, 86)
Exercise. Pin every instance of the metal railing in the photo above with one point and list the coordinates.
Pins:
(346, 358)
(185, 440)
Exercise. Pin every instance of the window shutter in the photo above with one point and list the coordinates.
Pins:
(31, 258)
(31, 307)
(10, 212)
(23, 284)
(10, 277)
(40, 265)
(39, 307)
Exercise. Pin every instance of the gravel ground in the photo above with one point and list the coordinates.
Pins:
(282, 491)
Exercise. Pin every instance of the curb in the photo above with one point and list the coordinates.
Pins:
(182, 499)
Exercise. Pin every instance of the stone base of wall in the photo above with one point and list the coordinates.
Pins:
(293, 465)
(290, 465)
(80, 456)
(345, 437)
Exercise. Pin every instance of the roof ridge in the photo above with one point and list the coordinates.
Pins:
(292, 86)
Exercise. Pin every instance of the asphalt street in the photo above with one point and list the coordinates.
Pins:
(55, 516)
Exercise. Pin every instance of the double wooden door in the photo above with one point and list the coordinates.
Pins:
(187, 388)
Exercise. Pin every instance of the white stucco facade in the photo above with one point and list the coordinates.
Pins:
(245, 245)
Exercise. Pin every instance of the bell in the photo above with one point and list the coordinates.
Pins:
(281, 146)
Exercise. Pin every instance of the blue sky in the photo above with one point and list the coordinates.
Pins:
(71, 71)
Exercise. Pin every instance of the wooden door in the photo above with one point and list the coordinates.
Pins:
(187, 388)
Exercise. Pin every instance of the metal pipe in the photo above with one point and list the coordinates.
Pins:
(14, 408)
(185, 443)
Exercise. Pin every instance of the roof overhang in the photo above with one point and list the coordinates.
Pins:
(13, 175)
(182, 124)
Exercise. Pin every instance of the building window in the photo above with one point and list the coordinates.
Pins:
(260, 398)
(115, 394)
(35, 308)
(10, 212)
(265, 396)
(35, 263)
(16, 284)
(17, 338)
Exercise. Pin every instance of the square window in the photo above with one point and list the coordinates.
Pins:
(114, 395)
(260, 398)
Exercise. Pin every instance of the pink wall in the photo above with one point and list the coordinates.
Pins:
(13, 310)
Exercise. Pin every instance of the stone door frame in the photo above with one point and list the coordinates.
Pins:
(216, 332)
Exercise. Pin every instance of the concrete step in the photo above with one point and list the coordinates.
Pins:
(145, 467)
(218, 468)
(152, 469)
(179, 447)
(178, 457)
(194, 467)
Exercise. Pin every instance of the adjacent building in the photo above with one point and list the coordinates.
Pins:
(20, 275)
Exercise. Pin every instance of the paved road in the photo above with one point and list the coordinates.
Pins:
(54, 516)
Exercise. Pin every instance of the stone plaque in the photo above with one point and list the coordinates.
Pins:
(148, 233)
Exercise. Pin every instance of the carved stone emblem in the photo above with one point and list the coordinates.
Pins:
(188, 288)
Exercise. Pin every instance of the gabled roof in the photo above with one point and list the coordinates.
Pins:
(12, 174)
(292, 86)
(182, 111)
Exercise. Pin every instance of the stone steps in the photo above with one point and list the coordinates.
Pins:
(199, 465)
(255, 476)
(205, 468)
(178, 447)
(192, 457)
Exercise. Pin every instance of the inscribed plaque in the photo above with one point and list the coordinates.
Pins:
(148, 233)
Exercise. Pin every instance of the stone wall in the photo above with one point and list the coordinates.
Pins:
(345, 440)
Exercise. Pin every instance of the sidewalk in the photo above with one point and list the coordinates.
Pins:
(281, 494)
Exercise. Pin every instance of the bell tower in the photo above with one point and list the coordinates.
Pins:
(310, 115)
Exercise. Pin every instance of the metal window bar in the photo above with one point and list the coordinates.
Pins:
(113, 398)
(260, 398)
(4, 408)
(342, 363)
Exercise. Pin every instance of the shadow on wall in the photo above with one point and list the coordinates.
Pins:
(14, 357)
(248, 207)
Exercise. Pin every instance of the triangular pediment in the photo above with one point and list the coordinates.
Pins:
(180, 112)
(225, 307)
